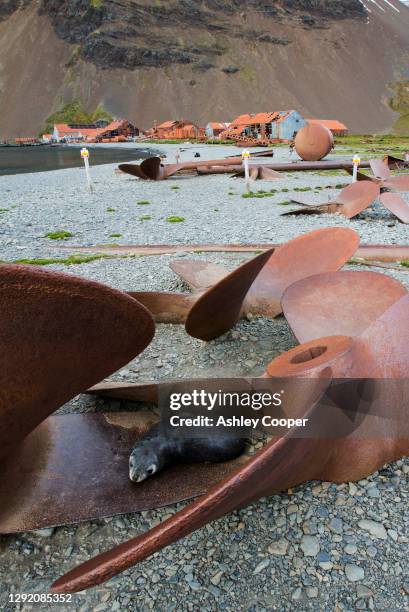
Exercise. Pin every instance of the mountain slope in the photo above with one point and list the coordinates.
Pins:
(211, 59)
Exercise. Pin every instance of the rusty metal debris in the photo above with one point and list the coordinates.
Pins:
(314, 142)
(59, 335)
(154, 169)
(350, 201)
(255, 287)
(370, 252)
(381, 175)
(338, 303)
(381, 351)
(397, 205)
(74, 467)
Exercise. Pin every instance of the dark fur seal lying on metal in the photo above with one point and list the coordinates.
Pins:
(158, 449)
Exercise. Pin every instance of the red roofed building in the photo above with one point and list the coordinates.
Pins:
(336, 127)
(263, 128)
(176, 130)
(116, 131)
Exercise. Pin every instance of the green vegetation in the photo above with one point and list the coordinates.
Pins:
(175, 187)
(110, 209)
(399, 103)
(174, 219)
(259, 194)
(96, 3)
(60, 235)
(64, 261)
(74, 112)
(404, 262)
(145, 218)
(284, 203)
(3, 210)
(143, 202)
(302, 188)
(115, 235)
(368, 145)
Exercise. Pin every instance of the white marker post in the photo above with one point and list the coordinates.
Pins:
(245, 156)
(356, 161)
(85, 157)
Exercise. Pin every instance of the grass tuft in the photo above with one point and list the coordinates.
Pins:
(175, 219)
(60, 235)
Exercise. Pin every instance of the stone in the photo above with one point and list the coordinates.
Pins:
(336, 525)
(350, 549)
(279, 547)
(310, 545)
(354, 573)
(215, 580)
(296, 595)
(376, 530)
(261, 566)
(363, 592)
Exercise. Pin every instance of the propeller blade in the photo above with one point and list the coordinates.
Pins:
(59, 335)
(338, 303)
(218, 310)
(324, 250)
(198, 274)
(397, 205)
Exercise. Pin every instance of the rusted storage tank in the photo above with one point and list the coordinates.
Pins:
(313, 142)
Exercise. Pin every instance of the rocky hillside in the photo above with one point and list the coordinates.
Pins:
(203, 59)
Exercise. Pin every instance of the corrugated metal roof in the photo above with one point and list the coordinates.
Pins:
(166, 125)
(261, 118)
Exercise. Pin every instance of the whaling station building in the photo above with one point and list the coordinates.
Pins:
(118, 130)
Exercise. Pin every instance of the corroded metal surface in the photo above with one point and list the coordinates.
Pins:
(198, 274)
(85, 457)
(397, 205)
(133, 170)
(322, 250)
(166, 307)
(313, 142)
(257, 286)
(153, 168)
(381, 351)
(219, 308)
(380, 169)
(59, 334)
(338, 303)
(398, 183)
(370, 252)
(219, 299)
(351, 201)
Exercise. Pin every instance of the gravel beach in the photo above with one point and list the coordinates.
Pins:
(318, 547)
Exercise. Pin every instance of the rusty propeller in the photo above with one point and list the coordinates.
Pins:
(154, 169)
(59, 334)
(255, 287)
(350, 201)
(380, 352)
